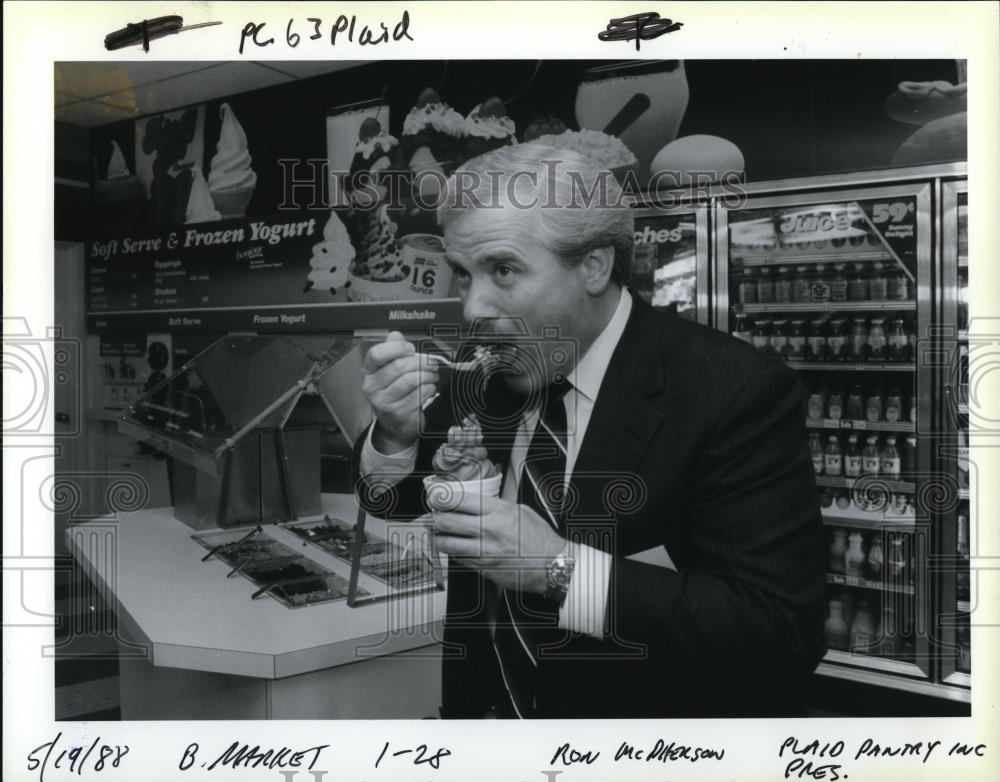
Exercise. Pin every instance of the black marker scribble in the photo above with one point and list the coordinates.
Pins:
(638, 27)
(147, 30)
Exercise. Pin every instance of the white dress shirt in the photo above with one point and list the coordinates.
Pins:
(586, 600)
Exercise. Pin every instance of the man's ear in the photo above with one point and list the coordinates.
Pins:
(596, 267)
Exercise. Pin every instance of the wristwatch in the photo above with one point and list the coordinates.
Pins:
(558, 574)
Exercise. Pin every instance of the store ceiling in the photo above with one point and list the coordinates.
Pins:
(88, 94)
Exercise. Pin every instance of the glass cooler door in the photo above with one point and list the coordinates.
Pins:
(837, 285)
(670, 268)
(957, 584)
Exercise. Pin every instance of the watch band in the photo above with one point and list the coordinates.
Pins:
(558, 573)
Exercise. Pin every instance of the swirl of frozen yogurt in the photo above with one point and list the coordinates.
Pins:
(463, 457)
(231, 163)
(332, 257)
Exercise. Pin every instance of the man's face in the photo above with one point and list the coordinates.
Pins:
(513, 286)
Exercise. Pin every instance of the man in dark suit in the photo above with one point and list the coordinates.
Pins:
(656, 549)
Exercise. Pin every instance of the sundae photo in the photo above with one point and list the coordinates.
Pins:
(374, 152)
(331, 259)
(462, 465)
(488, 127)
(231, 180)
(432, 135)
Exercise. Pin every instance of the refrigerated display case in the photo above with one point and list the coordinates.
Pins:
(957, 588)
(838, 283)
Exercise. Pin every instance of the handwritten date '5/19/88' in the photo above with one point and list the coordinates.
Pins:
(314, 29)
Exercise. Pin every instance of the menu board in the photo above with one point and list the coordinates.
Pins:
(269, 274)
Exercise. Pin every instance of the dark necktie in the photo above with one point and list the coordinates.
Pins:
(522, 618)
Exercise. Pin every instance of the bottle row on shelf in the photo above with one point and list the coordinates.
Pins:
(868, 402)
(830, 340)
(875, 559)
(852, 460)
(870, 624)
(818, 283)
(787, 244)
(865, 506)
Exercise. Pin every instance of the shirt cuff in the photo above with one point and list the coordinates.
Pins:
(390, 469)
(587, 597)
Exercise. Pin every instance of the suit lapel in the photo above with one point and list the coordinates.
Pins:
(623, 421)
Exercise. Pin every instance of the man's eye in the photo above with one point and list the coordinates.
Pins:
(503, 270)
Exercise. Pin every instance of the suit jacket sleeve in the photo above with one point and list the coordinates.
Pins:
(745, 608)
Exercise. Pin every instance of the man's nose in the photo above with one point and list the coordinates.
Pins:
(477, 305)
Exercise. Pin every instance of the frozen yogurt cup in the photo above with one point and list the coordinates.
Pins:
(445, 493)
(231, 180)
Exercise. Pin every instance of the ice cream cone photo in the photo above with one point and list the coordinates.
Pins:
(231, 180)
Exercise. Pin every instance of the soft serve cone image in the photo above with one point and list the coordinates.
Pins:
(231, 180)
(120, 183)
(462, 467)
(200, 207)
(331, 259)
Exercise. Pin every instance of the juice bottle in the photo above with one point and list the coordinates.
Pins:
(819, 289)
(862, 629)
(899, 287)
(748, 288)
(816, 405)
(858, 341)
(878, 284)
(894, 406)
(908, 454)
(833, 460)
(896, 563)
(816, 451)
(761, 336)
(838, 548)
(889, 459)
(783, 286)
(765, 287)
(835, 403)
(797, 341)
(852, 459)
(835, 628)
(877, 341)
(836, 342)
(779, 339)
(896, 342)
(870, 461)
(873, 405)
(854, 557)
(816, 342)
(855, 404)
(874, 561)
(857, 285)
(801, 291)
(838, 285)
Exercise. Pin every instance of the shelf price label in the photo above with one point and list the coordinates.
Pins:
(893, 212)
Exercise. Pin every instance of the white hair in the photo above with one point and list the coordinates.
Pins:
(578, 204)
